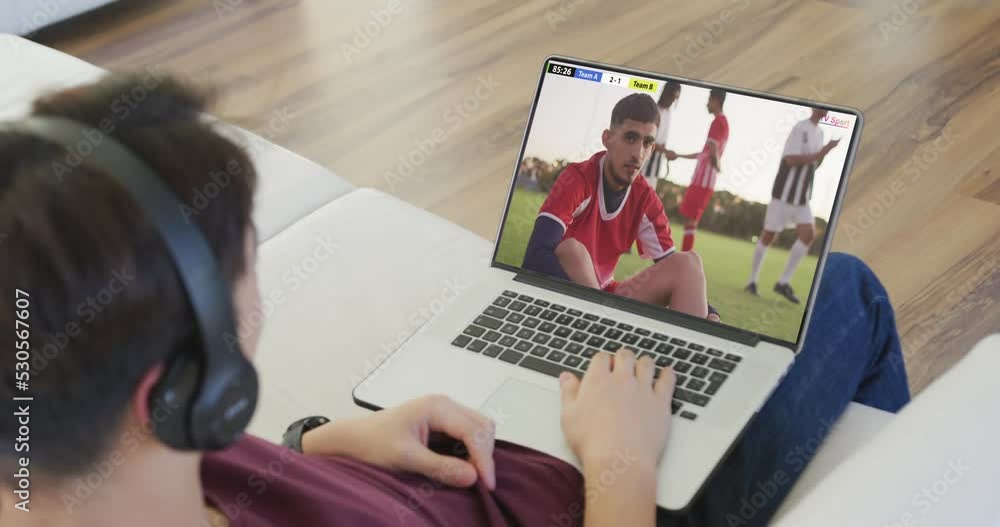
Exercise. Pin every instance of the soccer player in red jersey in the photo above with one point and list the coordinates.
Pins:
(599, 208)
(702, 186)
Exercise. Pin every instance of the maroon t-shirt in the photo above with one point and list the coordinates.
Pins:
(255, 482)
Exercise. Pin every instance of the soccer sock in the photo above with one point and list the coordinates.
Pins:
(688, 239)
(758, 258)
(794, 257)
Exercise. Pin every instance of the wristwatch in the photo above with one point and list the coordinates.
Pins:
(292, 437)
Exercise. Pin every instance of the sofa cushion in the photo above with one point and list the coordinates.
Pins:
(341, 289)
(290, 185)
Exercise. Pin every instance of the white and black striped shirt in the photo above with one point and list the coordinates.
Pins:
(793, 184)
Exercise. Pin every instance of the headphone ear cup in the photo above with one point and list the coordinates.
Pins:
(174, 396)
(217, 422)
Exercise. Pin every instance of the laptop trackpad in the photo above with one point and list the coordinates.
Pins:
(528, 415)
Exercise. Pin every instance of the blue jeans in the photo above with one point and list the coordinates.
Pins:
(851, 353)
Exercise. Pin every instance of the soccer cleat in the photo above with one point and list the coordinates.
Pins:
(785, 290)
(752, 289)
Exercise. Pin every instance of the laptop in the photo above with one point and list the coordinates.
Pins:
(500, 346)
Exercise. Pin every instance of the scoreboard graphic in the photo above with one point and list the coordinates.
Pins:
(604, 77)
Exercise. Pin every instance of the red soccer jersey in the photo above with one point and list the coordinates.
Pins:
(577, 202)
(704, 173)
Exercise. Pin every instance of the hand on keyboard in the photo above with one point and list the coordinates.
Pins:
(617, 409)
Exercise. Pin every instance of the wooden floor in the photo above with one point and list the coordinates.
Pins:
(920, 70)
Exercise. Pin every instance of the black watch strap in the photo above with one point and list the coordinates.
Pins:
(293, 435)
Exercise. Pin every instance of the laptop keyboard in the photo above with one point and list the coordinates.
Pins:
(549, 338)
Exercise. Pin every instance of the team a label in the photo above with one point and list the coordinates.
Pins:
(642, 84)
(589, 75)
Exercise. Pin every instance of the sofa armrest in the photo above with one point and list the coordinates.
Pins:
(855, 427)
(936, 463)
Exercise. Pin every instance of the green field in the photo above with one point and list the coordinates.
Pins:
(727, 267)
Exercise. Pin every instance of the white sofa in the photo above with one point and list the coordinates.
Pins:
(21, 17)
(372, 267)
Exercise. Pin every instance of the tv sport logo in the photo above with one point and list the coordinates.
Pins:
(832, 119)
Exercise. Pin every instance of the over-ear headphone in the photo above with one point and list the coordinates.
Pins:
(210, 391)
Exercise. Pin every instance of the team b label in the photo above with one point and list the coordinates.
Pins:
(642, 84)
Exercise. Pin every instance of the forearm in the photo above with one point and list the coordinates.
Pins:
(577, 263)
(540, 255)
(332, 439)
(619, 492)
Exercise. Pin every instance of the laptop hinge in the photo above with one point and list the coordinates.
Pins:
(635, 307)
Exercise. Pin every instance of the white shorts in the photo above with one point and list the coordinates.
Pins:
(781, 215)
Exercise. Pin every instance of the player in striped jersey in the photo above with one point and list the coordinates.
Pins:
(789, 207)
(702, 186)
(658, 160)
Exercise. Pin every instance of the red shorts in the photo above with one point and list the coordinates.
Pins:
(695, 201)
(612, 285)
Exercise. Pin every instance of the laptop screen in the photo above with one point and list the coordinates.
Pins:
(676, 194)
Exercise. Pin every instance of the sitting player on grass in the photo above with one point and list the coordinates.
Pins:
(599, 208)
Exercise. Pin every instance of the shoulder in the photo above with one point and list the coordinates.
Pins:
(573, 175)
(643, 193)
(585, 172)
(720, 125)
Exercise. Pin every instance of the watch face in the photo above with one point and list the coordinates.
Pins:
(292, 438)
(308, 423)
(314, 422)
